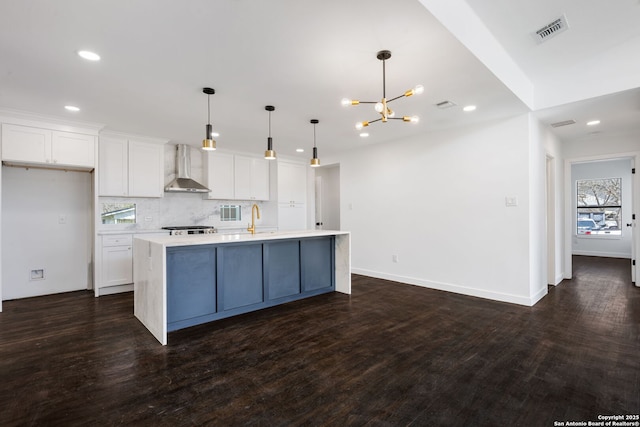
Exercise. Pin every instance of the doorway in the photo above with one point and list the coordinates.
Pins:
(327, 197)
(592, 229)
(46, 231)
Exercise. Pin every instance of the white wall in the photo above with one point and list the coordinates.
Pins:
(555, 217)
(438, 204)
(33, 200)
(538, 262)
(600, 145)
(607, 246)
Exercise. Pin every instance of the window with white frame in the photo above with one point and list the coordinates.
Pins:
(599, 207)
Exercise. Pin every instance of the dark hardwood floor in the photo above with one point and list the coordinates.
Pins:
(388, 355)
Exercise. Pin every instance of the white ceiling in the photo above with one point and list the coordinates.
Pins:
(303, 58)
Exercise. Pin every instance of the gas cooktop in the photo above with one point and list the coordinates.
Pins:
(179, 230)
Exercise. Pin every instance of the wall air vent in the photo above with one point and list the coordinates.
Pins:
(564, 123)
(550, 30)
(445, 104)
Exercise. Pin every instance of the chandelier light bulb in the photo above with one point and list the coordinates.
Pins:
(414, 119)
(346, 102)
(359, 125)
(418, 89)
(390, 112)
(379, 107)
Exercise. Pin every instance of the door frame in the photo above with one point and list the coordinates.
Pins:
(568, 212)
(550, 221)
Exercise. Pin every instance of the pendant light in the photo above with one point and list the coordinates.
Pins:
(208, 143)
(315, 161)
(382, 107)
(269, 154)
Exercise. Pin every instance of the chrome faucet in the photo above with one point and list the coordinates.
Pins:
(252, 227)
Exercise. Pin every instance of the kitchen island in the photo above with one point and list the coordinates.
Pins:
(181, 281)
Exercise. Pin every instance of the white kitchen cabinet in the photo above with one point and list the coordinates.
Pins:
(146, 169)
(219, 170)
(292, 196)
(117, 260)
(130, 167)
(54, 149)
(292, 183)
(292, 216)
(113, 158)
(251, 178)
(114, 262)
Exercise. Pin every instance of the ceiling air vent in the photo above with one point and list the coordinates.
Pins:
(552, 29)
(564, 123)
(445, 104)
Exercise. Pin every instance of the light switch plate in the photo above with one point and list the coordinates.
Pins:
(510, 201)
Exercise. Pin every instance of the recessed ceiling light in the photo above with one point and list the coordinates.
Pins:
(469, 108)
(364, 134)
(88, 55)
(593, 123)
(300, 150)
(71, 108)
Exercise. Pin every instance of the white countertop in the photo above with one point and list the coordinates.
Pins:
(208, 239)
(131, 231)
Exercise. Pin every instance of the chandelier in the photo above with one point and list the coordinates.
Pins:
(382, 107)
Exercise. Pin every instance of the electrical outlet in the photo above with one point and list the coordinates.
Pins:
(148, 218)
(36, 274)
(394, 258)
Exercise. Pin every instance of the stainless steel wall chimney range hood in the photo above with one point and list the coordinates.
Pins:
(183, 182)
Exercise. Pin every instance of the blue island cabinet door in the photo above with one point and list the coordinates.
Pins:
(281, 268)
(191, 284)
(317, 263)
(239, 276)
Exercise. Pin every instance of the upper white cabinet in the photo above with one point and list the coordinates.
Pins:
(130, 167)
(146, 169)
(234, 177)
(219, 175)
(113, 157)
(38, 146)
(292, 196)
(292, 183)
(251, 178)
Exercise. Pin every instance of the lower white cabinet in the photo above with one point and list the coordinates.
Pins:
(117, 261)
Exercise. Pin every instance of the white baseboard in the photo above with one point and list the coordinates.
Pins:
(602, 254)
(464, 290)
(109, 290)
